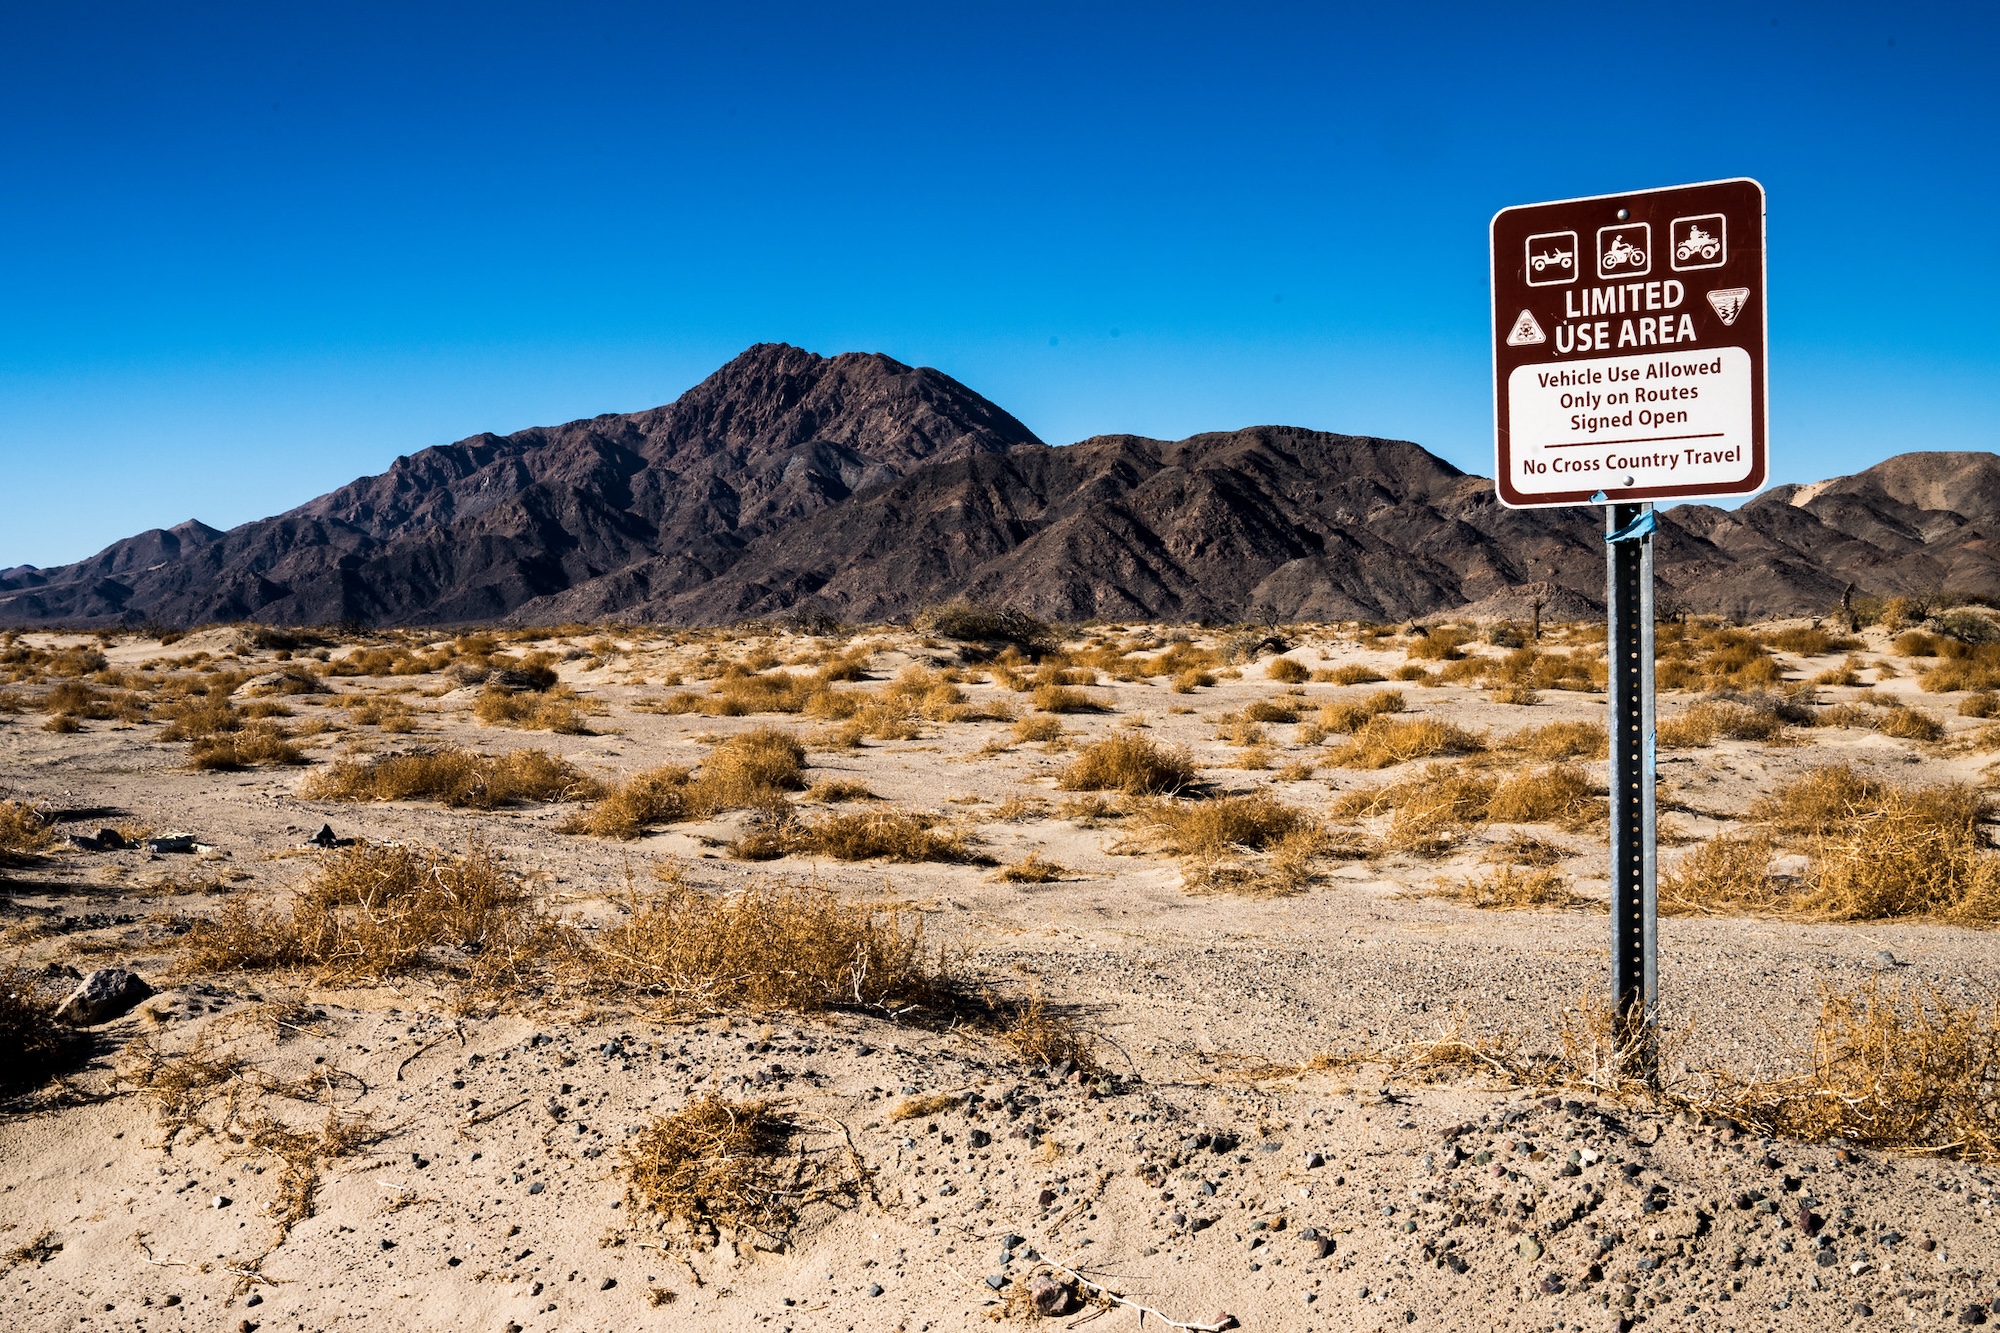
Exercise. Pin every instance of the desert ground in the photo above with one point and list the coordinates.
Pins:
(914, 978)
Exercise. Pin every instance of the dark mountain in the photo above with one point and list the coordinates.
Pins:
(864, 489)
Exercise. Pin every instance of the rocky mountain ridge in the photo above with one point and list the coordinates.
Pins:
(862, 489)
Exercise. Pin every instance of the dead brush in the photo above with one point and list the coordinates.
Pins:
(628, 809)
(558, 709)
(1043, 1037)
(373, 911)
(1560, 740)
(752, 770)
(1347, 718)
(837, 791)
(925, 1106)
(1386, 741)
(198, 717)
(25, 832)
(1033, 868)
(1352, 674)
(908, 836)
(1429, 813)
(180, 1085)
(301, 1156)
(1289, 670)
(1131, 764)
(1727, 874)
(1212, 827)
(1712, 720)
(258, 743)
(1895, 1069)
(717, 1166)
(33, 1046)
(453, 777)
(1510, 888)
(772, 946)
(1063, 699)
(1557, 794)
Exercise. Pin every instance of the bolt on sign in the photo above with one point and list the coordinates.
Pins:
(1629, 346)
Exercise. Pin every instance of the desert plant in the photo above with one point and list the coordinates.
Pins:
(33, 1046)
(461, 779)
(1289, 670)
(1131, 764)
(1388, 740)
(720, 1165)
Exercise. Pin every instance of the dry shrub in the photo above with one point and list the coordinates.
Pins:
(259, 743)
(370, 911)
(1561, 740)
(1288, 670)
(1387, 740)
(33, 1046)
(1819, 801)
(1346, 718)
(1558, 794)
(1040, 1036)
(1443, 644)
(1915, 643)
(910, 836)
(628, 809)
(1727, 874)
(1351, 674)
(1509, 888)
(1524, 849)
(179, 1085)
(63, 724)
(198, 717)
(751, 770)
(301, 1153)
(1706, 722)
(559, 710)
(718, 1165)
(1910, 724)
(385, 713)
(834, 791)
(923, 1107)
(460, 779)
(1980, 703)
(1913, 851)
(1274, 710)
(1192, 679)
(1063, 699)
(1131, 764)
(797, 947)
(1033, 869)
(1892, 1069)
(24, 832)
(1210, 828)
(1429, 811)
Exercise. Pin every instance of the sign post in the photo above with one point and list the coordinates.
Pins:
(1628, 368)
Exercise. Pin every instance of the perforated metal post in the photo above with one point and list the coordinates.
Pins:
(1634, 916)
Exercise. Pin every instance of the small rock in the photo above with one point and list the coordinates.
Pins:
(1886, 959)
(104, 995)
(172, 843)
(874, 1288)
(537, 1187)
(324, 838)
(1010, 1241)
(1322, 1248)
(1050, 1298)
(608, 1284)
(1046, 1198)
(1864, 1310)
(996, 1280)
(220, 1201)
(111, 840)
(387, 1244)
(1531, 1249)
(1972, 1314)
(1315, 1160)
(255, 1298)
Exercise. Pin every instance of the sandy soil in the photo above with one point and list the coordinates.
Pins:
(1210, 1175)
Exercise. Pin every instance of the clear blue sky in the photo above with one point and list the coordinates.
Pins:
(250, 252)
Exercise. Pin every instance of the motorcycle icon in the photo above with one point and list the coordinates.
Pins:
(1698, 242)
(1561, 259)
(1622, 254)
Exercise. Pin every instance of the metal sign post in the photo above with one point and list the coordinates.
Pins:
(1628, 601)
(1628, 367)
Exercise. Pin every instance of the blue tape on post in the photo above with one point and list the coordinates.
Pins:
(1638, 528)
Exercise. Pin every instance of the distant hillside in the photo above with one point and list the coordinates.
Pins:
(858, 487)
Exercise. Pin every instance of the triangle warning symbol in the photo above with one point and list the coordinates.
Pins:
(1729, 303)
(1526, 333)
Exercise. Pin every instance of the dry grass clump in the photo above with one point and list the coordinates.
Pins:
(751, 770)
(1285, 709)
(33, 1046)
(460, 779)
(1040, 1036)
(1352, 674)
(1561, 740)
(558, 709)
(198, 717)
(1131, 764)
(1910, 724)
(910, 836)
(642, 801)
(1443, 644)
(383, 712)
(1558, 794)
(1890, 1068)
(259, 743)
(1698, 657)
(1387, 740)
(1711, 720)
(1874, 850)
(1509, 888)
(717, 1165)
(1063, 699)
(835, 791)
(1429, 811)
(1728, 874)
(1347, 718)
(370, 911)
(1209, 828)
(1034, 868)
(24, 832)
(925, 1106)
(1289, 670)
(798, 947)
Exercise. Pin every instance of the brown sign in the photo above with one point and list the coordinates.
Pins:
(1628, 346)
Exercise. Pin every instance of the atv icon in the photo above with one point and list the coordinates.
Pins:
(1697, 242)
(1701, 241)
